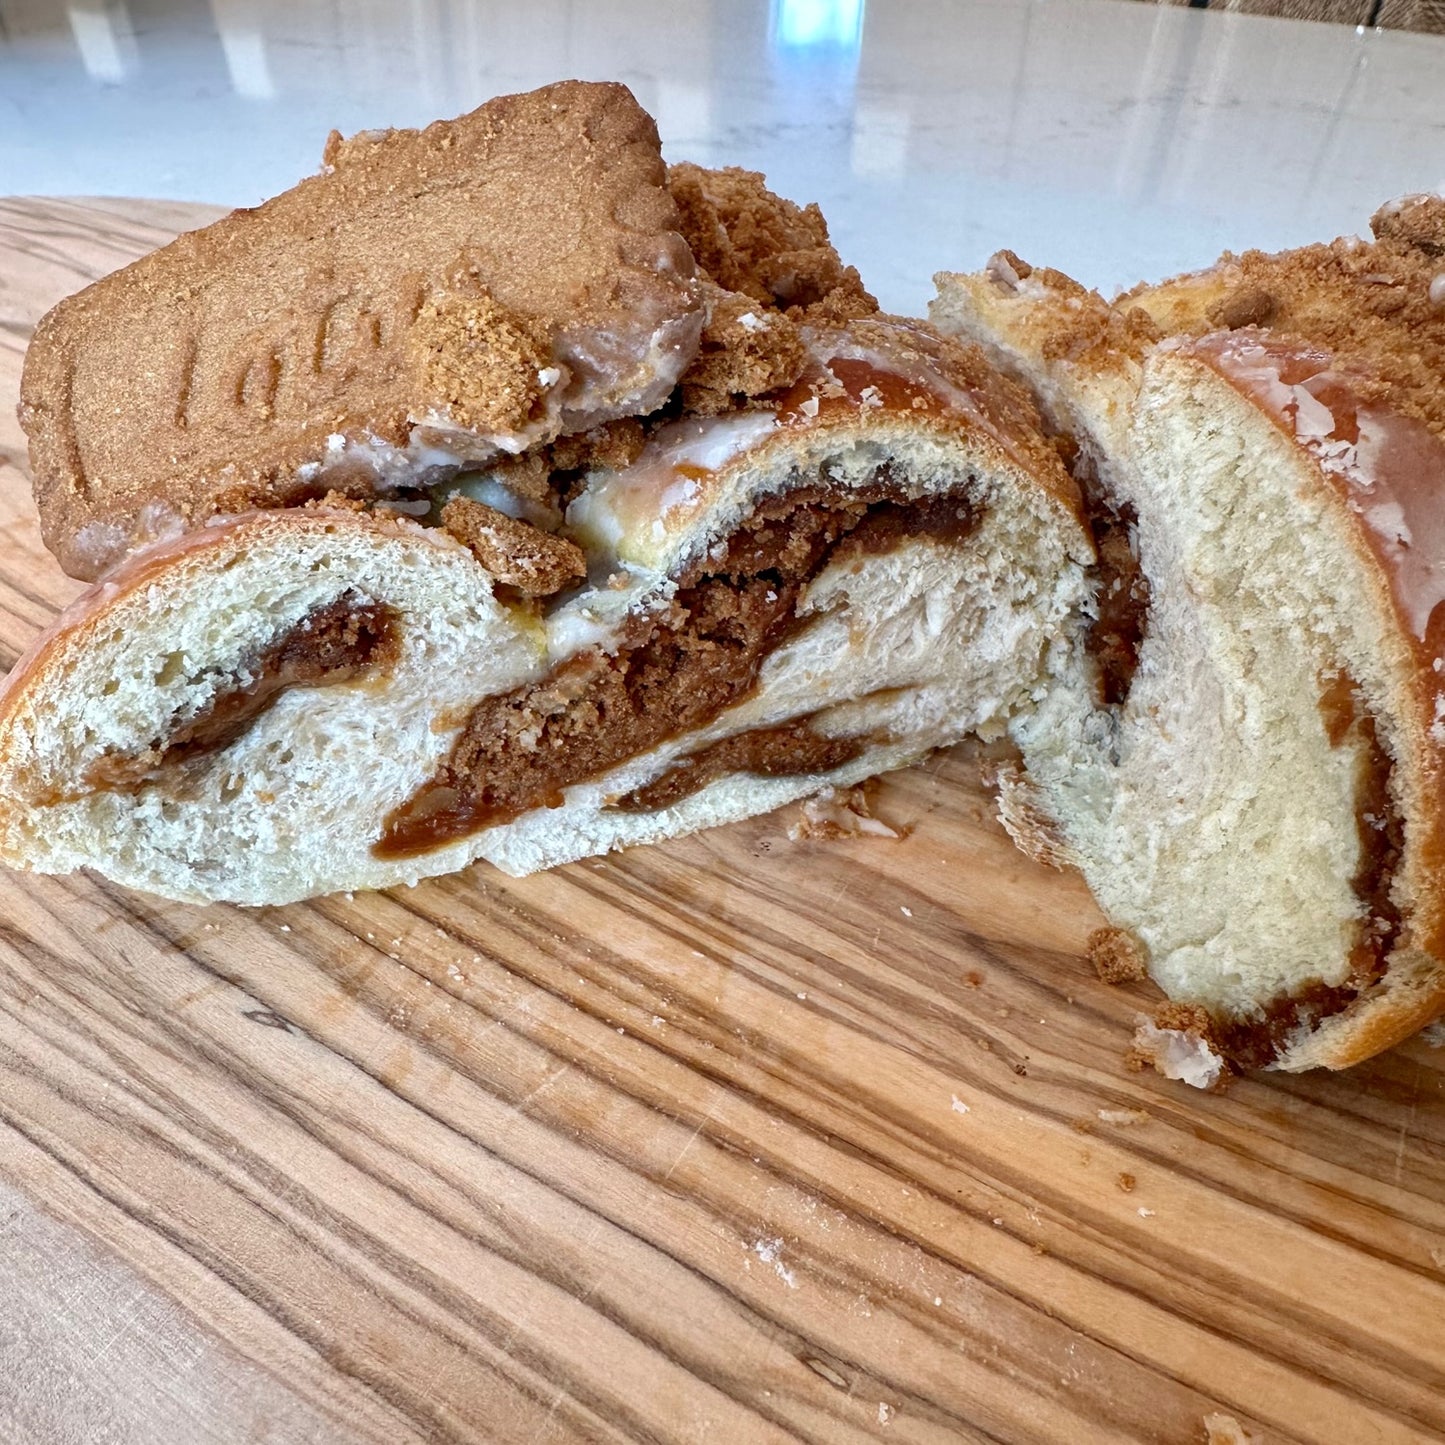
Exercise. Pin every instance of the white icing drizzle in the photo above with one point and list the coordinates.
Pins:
(661, 488)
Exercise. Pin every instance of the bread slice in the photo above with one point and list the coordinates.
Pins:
(1248, 759)
(434, 298)
(800, 591)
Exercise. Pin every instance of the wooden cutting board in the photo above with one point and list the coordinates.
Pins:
(735, 1140)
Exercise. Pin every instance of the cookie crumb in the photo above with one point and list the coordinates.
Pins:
(1116, 956)
(477, 360)
(746, 351)
(1246, 305)
(749, 240)
(515, 553)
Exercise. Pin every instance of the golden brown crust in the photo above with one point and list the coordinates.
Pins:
(515, 553)
(1382, 1019)
(1005, 407)
(206, 376)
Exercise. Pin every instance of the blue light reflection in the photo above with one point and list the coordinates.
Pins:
(818, 24)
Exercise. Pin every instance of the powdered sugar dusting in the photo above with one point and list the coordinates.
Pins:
(770, 1251)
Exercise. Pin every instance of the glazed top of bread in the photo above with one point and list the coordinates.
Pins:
(1378, 307)
(423, 275)
(1341, 345)
(882, 380)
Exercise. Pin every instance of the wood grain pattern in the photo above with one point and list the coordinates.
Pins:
(733, 1140)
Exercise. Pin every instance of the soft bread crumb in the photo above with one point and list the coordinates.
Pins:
(1176, 1044)
(515, 553)
(1116, 956)
(839, 813)
(1222, 1429)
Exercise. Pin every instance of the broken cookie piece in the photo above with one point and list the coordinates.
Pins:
(435, 299)
(517, 554)
(751, 241)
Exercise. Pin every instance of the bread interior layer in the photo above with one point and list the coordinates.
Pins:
(342, 640)
(672, 672)
(1224, 813)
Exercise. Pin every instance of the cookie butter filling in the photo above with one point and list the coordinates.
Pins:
(785, 751)
(346, 639)
(1121, 602)
(672, 672)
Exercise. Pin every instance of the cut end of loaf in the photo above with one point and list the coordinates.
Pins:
(1256, 797)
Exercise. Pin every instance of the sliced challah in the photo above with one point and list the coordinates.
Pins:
(801, 591)
(1248, 760)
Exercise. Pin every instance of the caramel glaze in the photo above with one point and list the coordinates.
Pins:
(851, 383)
(671, 674)
(345, 639)
(786, 751)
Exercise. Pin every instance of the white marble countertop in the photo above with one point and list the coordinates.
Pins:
(1112, 139)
